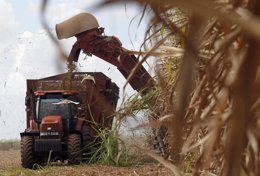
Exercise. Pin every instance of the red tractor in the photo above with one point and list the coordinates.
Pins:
(64, 113)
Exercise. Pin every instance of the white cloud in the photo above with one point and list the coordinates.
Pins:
(33, 7)
(7, 21)
(31, 56)
(115, 19)
(58, 12)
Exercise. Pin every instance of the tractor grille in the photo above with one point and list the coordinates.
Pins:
(47, 145)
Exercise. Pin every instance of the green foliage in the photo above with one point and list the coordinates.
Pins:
(39, 167)
(189, 162)
(135, 103)
(109, 149)
(49, 158)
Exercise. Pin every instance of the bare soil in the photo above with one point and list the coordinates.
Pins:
(10, 165)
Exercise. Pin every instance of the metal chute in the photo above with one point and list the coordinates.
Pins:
(75, 25)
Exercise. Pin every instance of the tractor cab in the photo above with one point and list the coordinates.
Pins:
(54, 113)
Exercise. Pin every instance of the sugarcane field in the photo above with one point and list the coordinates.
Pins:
(130, 88)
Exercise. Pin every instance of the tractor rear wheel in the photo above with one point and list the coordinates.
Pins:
(74, 149)
(86, 135)
(27, 152)
(86, 140)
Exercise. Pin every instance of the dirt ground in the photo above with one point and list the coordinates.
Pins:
(10, 165)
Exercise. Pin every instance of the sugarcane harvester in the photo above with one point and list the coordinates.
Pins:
(65, 111)
(91, 40)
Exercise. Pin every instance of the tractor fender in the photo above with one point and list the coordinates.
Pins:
(31, 133)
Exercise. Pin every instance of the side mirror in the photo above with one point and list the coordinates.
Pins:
(27, 100)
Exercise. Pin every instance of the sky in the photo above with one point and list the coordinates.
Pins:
(27, 53)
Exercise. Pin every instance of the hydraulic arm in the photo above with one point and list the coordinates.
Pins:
(110, 49)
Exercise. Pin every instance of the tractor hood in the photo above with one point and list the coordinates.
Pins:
(51, 126)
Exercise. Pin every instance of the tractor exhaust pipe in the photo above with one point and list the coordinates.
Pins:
(75, 25)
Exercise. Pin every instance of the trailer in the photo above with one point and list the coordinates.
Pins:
(63, 115)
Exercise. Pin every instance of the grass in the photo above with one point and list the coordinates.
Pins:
(17, 170)
(94, 170)
(109, 150)
(10, 166)
(112, 150)
(9, 144)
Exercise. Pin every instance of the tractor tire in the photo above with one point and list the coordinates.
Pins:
(27, 152)
(86, 140)
(74, 149)
(86, 135)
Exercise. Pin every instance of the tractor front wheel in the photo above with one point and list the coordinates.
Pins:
(27, 152)
(74, 149)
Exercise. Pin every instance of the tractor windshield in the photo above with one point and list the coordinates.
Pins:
(51, 106)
